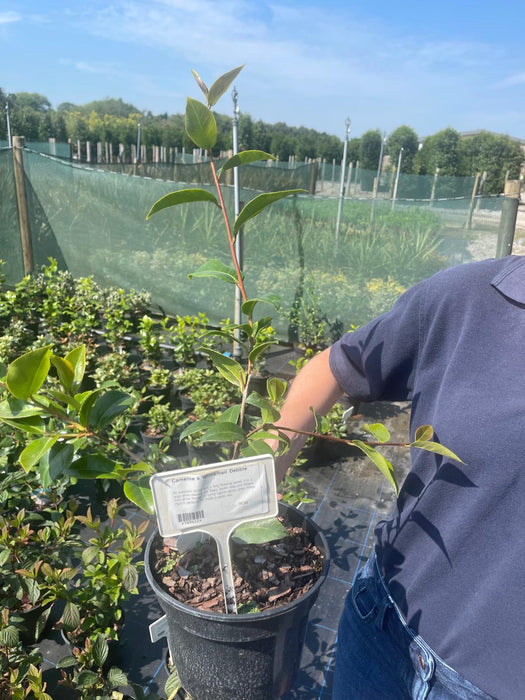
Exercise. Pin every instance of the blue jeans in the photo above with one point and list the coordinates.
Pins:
(380, 658)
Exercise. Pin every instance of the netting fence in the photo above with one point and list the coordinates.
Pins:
(92, 221)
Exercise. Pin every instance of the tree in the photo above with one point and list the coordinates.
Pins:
(443, 150)
(496, 155)
(406, 138)
(370, 149)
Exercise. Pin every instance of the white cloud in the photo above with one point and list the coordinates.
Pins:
(9, 17)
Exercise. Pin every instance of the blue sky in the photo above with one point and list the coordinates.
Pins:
(308, 63)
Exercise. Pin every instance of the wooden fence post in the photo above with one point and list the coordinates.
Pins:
(21, 198)
(509, 214)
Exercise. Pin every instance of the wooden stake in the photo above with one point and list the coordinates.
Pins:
(21, 198)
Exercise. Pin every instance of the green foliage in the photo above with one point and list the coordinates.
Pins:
(404, 137)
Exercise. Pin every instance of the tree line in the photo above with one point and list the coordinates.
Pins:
(115, 121)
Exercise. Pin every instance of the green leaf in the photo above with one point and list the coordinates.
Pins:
(200, 83)
(56, 462)
(256, 205)
(269, 414)
(243, 158)
(100, 650)
(34, 451)
(64, 370)
(258, 350)
(130, 577)
(182, 197)
(93, 466)
(222, 83)
(108, 406)
(217, 269)
(424, 433)
(224, 431)
(437, 448)
(138, 492)
(27, 373)
(256, 447)
(33, 425)
(196, 426)
(67, 661)
(86, 679)
(231, 414)
(71, 616)
(276, 389)
(378, 430)
(272, 299)
(260, 531)
(13, 409)
(77, 359)
(9, 636)
(379, 460)
(200, 124)
(87, 400)
(116, 677)
(173, 685)
(229, 368)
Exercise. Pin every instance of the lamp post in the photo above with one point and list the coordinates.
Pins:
(342, 187)
(397, 176)
(138, 143)
(9, 139)
(236, 349)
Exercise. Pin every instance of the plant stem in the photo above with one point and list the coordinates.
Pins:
(231, 240)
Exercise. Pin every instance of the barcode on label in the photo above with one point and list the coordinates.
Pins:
(190, 517)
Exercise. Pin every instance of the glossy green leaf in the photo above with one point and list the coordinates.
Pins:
(272, 299)
(86, 680)
(378, 430)
(87, 401)
(27, 373)
(258, 204)
(64, 370)
(223, 431)
(108, 406)
(229, 368)
(93, 466)
(222, 83)
(217, 269)
(260, 531)
(116, 678)
(182, 197)
(77, 358)
(424, 433)
(197, 426)
(200, 124)
(138, 491)
(256, 447)
(34, 451)
(243, 158)
(58, 459)
(379, 460)
(231, 414)
(13, 408)
(259, 350)
(276, 389)
(130, 577)
(269, 414)
(437, 448)
(34, 425)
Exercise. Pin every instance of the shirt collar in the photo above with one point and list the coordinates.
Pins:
(511, 280)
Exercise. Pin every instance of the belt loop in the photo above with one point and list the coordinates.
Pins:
(384, 607)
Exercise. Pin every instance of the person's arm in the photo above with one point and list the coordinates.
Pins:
(315, 388)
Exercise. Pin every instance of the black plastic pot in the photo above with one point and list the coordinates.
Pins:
(239, 657)
(34, 622)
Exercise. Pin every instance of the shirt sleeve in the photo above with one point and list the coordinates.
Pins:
(378, 361)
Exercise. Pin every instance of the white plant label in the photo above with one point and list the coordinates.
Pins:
(216, 499)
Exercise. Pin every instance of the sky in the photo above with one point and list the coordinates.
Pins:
(312, 63)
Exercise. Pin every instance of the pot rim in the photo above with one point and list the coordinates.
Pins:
(230, 618)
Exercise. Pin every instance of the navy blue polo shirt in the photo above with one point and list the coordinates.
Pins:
(453, 554)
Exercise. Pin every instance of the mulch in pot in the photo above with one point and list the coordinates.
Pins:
(265, 576)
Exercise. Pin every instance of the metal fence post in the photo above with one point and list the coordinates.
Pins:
(21, 198)
(509, 214)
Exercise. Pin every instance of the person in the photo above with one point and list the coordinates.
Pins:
(438, 610)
